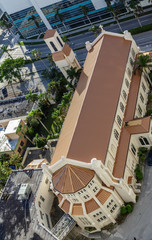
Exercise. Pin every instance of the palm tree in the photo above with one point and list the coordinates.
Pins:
(21, 129)
(59, 16)
(142, 64)
(65, 39)
(73, 74)
(33, 18)
(85, 11)
(37, 55)
(4, 49)
(5, 25)
(114, 12)
(39, 141)
(38, 115)
(133, 5)
(34, 97)
(95, 29)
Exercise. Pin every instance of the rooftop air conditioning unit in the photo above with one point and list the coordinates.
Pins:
(24, 191)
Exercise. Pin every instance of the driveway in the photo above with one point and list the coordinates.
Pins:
(139, 223)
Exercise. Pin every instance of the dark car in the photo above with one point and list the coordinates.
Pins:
(4, 91)
(149, 160)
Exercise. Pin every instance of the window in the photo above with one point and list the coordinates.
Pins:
(59, 42)
(133, 149)
(116, 134)
(42, 198)
(131, 62)
(127, 83)
(41, 214)
(122, 107)
(143, 141)
(39, 203)
(124, 94)
(48, 222)
(140, 109)
(53, 46)
(143, 87)
(133, 52)
(129, 72)
(142, 98)
(19, 149)
(22, 143)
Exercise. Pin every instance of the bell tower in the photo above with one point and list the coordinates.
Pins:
(62, 53)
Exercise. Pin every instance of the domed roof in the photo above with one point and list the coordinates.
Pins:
(70, 179)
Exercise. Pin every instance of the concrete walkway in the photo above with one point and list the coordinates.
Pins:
(139, 223)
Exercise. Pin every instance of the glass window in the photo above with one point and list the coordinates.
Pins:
(142, 98)
(19, 149)
(143, 87)
(53, 46)
(124, 94)
(59, 42)
(127, 83)
(119, 120)
(131, 62)
(129, 72)
(122, 107)
(133, 149)
(22, 143)
(133, 53)
(140, 109)
(116, 134)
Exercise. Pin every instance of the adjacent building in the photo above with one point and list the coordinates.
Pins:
(12, 140)
(44, 17)
(92, 170)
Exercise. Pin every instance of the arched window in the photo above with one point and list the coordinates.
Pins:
(131, 62)
(127, 83)
(129, 72)
(143, 141)
(122, 107)
(124, 94)
(143, 87)
(133, 52)
(59, 42)
(119, 120)
(116, 134)
(142, 98)
(53, 46)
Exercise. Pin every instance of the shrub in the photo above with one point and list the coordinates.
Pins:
(129, 208)
(139, 174)
(123, 210)
(149, 112)
(143, 149)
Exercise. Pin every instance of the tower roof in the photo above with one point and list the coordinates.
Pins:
(70, 179)
(49, 33)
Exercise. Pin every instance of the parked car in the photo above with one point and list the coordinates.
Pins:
(4, 91)
(149, 160)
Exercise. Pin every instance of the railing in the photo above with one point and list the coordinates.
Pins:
(63, 226)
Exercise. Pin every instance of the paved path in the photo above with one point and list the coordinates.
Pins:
(139, 223)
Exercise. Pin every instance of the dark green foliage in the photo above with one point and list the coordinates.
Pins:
(129, 208)
(141, 29)
(149, 112)
(123, 210)
(39, 141)
(138, 172)
(143, 149)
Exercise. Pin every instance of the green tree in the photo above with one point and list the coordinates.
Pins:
(115, 12)
(10, 70)
(4, 174)
(23, 130)
(65, 39)
(5, 25)
(59, 16)
(38, 115)
(74, 75)
(34, 97)
(134, 6)
(143, 63)
(95, 29)
(4, 49)
(85, 11)
(39, 141)
(33, 18)
(37, 55)
(16, 160)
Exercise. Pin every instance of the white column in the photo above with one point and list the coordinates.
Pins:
(42, 16)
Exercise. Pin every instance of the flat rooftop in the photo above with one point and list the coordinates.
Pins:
(12, 126)
(5, 143)
(17, 218)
